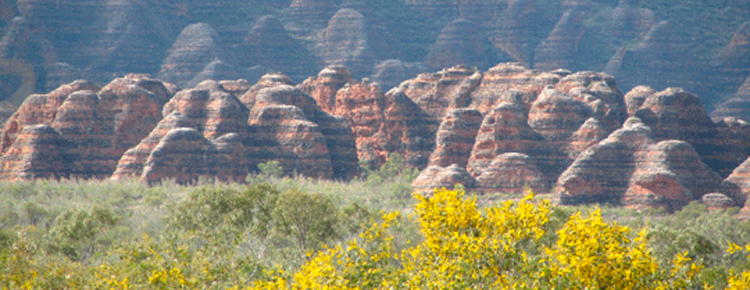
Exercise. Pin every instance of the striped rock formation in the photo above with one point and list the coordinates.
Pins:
(459, 43)
(194, 121)
(455, 137)
(96, 124)
(630, 168)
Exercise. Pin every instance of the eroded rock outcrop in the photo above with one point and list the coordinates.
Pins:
(436, 176)
(390, 73)
(95, 124)
(459, 43)
(628, 22)
(196, 47)
(450, 88)
(356, 41)
(194, 121)
(663, 59)
(513, 33)
(677, 114)
(560, 47)
(632, 169)
(455, 137)
(410, 131)
(304, 137)
(512, 173)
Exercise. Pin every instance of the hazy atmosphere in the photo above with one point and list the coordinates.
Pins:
(371, 144)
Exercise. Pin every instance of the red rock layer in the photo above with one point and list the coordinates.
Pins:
(314, 136)
(676, 114)
(511, 82)
(266, 81)
(38, 152)
(410, 131)
(632, 169)
(98, 125)
(184, 156)
(212, 112)
(363, 106)
(512, 173)
(455, 137)
(442, 177)
(556, 116)
(439, 92)
(323, 88)
(503, 130)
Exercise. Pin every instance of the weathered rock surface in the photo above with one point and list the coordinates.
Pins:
(455, 137)
(632, 169)
(194, 120)
(37, 153)
(356, 41)
(269, 44)
(628, 22)
(560, 47)
(410, 131)
(363, 106)
(196, 47)
(459, 43)
(323, 88)
(662, 60)
(292, 126)
(512, 173)
(390, 73)
(443, 177)
(513, 33)
(96, 125)
(23, 59)
(550, 117)
(436, 93)
(677, 114)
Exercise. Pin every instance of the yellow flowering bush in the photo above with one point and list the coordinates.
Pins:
(508, 246)
(449, 242)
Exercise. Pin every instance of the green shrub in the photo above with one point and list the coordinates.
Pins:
(310, 219)
(78, 234)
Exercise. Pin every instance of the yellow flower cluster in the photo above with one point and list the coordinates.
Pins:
(590, 253)
(503, 247)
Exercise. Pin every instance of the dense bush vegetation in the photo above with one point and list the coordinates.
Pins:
(283, 232)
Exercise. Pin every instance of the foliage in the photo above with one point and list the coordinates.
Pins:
(82, 235)
(500, 247)
(394, 172)
(310, 219)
